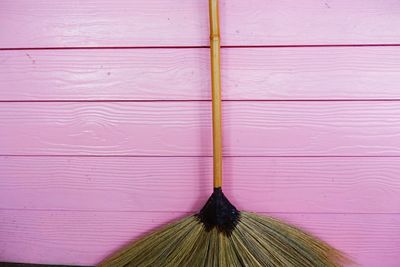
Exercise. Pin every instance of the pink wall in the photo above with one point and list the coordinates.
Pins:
(106, 141)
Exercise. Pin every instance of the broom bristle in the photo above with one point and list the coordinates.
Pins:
(255, 241)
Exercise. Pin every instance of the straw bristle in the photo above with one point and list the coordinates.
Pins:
(255, 241)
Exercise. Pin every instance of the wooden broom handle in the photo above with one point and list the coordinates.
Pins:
(216, 92)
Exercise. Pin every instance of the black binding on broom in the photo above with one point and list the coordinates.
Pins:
(219, 212)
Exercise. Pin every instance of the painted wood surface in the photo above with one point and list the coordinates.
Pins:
(105, 114)
(87, 237)
(99, 23)
(338, 128)
(317, 73)
(359, 185)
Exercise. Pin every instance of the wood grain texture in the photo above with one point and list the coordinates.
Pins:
(183, 128)
(99, 23)
(318, 73)
(359, 185)
(86, 237)
(87, 164)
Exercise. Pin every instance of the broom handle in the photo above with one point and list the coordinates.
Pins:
(216, 92)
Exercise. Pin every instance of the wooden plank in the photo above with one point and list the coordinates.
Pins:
(183, 128)
(95, 23)
(87, 237)
(360, 185)
(183, 74)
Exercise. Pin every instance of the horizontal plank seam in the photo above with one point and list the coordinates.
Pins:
(198, 100)
(191, 212)
(199, 156)
(192, 46)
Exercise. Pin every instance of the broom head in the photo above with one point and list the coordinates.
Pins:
(220, 235)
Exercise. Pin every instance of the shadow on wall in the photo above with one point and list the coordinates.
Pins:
(9, 264)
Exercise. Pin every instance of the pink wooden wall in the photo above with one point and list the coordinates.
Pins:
(105, 121)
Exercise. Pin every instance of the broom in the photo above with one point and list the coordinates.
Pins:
(220, 235)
